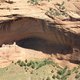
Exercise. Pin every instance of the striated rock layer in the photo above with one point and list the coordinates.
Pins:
(58, 38)
(23, 23)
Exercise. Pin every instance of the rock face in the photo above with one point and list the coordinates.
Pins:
(60, 36)
(2, 0)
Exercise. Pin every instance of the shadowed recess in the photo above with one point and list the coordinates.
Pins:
(43, 45)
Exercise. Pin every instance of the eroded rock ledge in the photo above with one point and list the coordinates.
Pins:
(57, 35)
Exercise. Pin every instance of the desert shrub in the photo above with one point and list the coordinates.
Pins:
(36, 2)
(62, 74)
(62, 71)
(59, 10)
(43, 63)
(38, 64)
(33, 2)
(69, 72)
(48, 78)
(12, 61)
(21, 63)
(58, 77)
(53, 76)
(77, 76)
(31, 64)
(26, 61)
(75, 70)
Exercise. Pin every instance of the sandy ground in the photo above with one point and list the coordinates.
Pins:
(9, 53)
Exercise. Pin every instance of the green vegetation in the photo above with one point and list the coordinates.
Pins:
(58, 11)
(33, 2)
(36, 2)
(34, 64)
(44, 69)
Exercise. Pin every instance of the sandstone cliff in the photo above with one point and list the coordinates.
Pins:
(25, 21)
